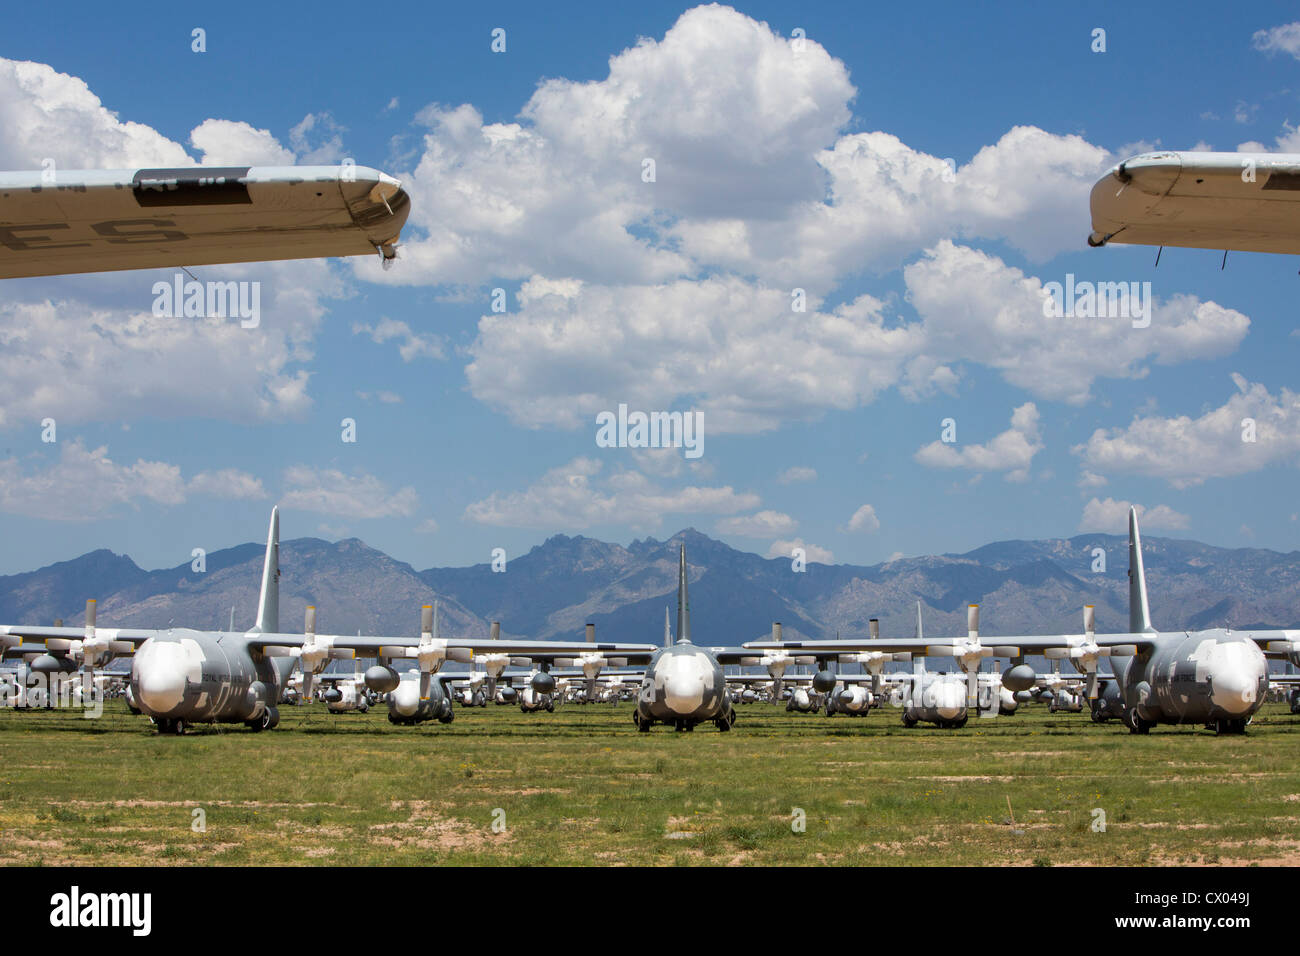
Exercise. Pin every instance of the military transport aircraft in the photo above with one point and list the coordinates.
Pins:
(1242, 201)
(181, 676)
(64, 221)
(684, 684)
(1214, 677)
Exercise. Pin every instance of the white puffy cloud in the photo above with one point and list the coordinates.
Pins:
(812, 552)
(575, 495)
(411, 345)
(1283, 39)
(864, 520)
(46, 114)
(232, 143)
(719, 345)
(330, 491)
(1011, 452)
(977, 308)
(1111, 517)
(763, 524)
(733, 349)
(1186, 451)
(78, 361)
(753, 173)
(85, 484)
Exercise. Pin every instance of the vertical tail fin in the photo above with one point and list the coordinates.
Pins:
(268, 605)
(1139, 614)
(919, 631)
(668, 631)
(683, 603)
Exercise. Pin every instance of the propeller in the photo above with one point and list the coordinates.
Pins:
(1083, 652)
(314, 653)
(432, 651)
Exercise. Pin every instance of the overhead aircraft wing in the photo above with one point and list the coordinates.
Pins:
(69, 221)
(1244, 201)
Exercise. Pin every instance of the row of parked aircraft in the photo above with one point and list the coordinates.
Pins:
(180, 676)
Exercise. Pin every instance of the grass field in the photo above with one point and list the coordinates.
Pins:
(582, 786)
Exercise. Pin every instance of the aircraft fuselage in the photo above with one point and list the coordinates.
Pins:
(1214, 677)
(683, 686)
(189, 677)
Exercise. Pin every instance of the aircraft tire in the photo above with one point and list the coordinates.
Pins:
(163, 724)
(272, 718)
(1136, 725)
(909, 721)
(959, 724)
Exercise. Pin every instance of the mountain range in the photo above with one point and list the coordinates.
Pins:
(1024, 587)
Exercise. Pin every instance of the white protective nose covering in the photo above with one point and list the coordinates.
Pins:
(949, 699)
(683, 683)
(162, 669)
(405, 698)
(1237, 669)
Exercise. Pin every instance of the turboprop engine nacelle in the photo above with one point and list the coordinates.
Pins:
(1019, 678)
(381, 678)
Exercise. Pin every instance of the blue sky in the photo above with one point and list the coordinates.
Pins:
(523, 168)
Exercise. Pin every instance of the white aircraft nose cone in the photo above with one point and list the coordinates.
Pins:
(684, 693)
(405, 698)
(161, 682)
(1236, 670)
(950, 700)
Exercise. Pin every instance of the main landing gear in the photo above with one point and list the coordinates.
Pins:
(268, 720)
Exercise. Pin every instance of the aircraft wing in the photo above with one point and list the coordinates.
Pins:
(1244, 201)
(1002, 646)
(121, 640)
(371, 646)
(106, 220)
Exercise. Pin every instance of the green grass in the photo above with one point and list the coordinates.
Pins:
(582, 786)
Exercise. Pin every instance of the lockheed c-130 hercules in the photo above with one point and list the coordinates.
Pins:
(1216, 677)
(181, 676)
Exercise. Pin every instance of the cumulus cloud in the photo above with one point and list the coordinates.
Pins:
(977, 308)
(569, 354)
(232, 143)
(50, 115)
(1280, 39)
(1011, 452)
(812, 553)
(577, 495)
(1186, 451)
(85, 484)
(410, 345)
(764, 524)
(574, 348)
(1111, 517)
(753, 173)
(864, 520)
(78, 361)
(330, 491)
